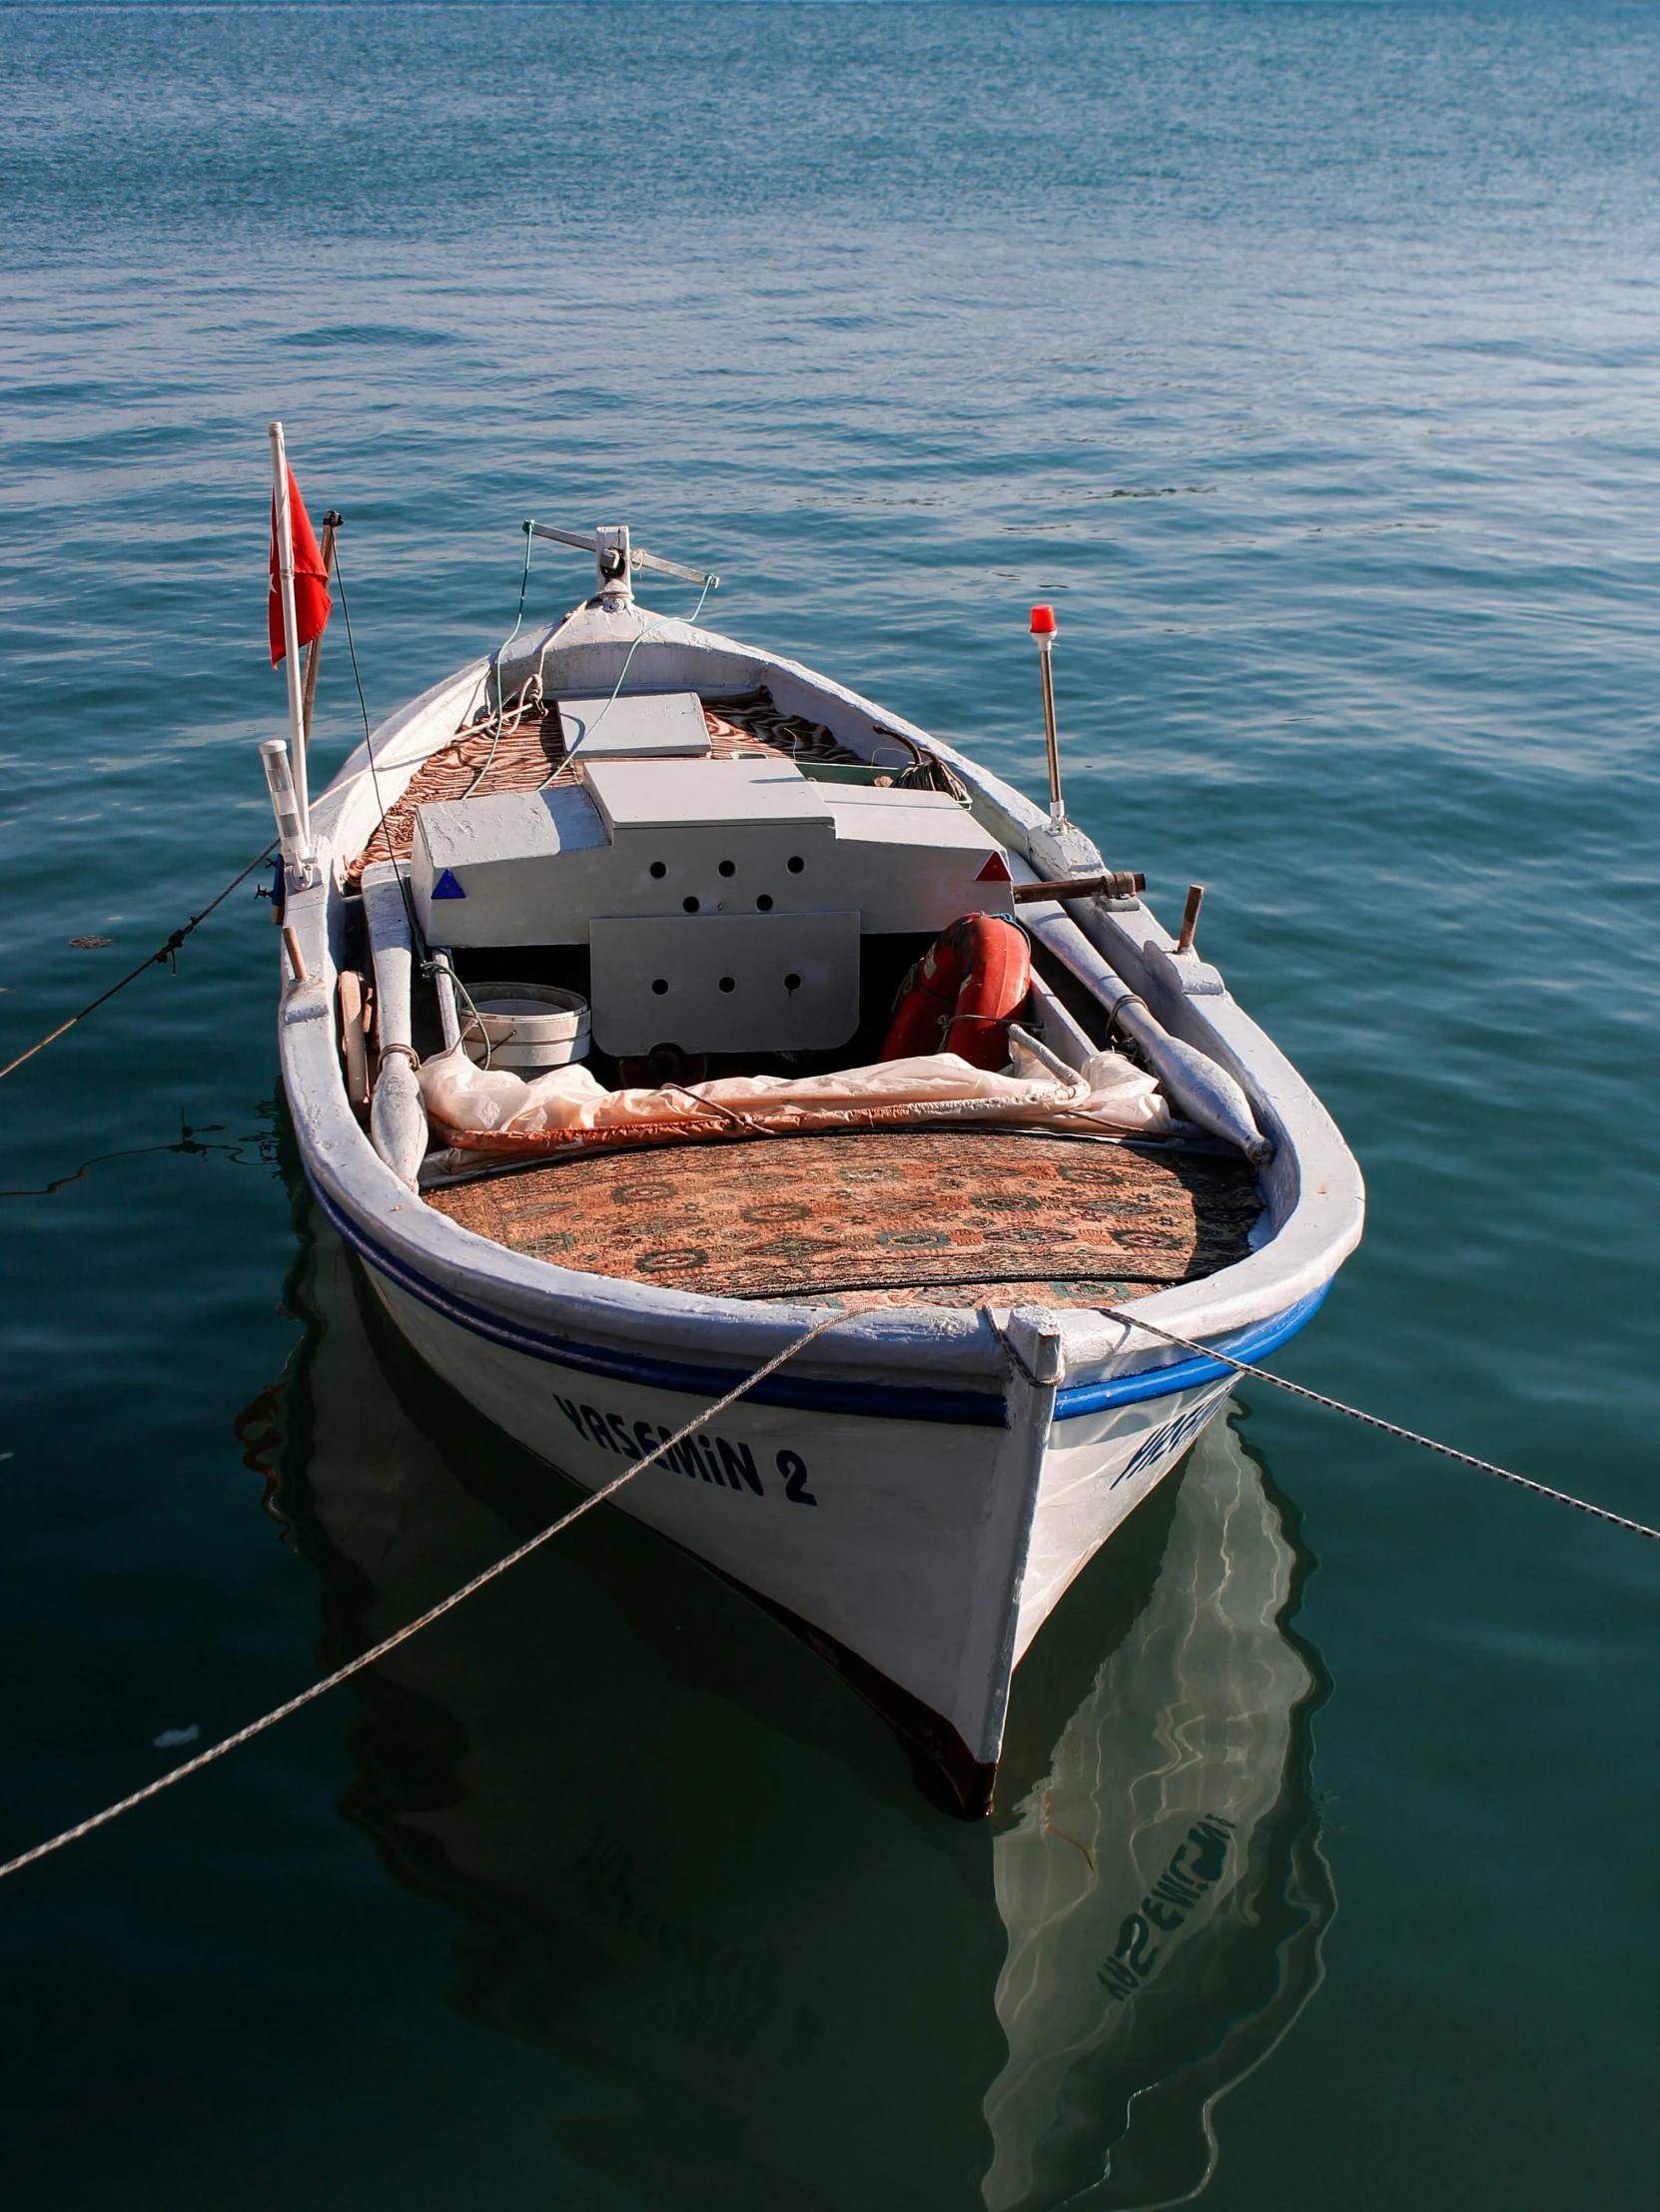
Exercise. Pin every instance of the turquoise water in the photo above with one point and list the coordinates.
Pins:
(1309, 360)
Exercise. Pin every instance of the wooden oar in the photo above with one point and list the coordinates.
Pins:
(1114, 884)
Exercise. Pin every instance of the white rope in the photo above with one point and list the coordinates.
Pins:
(1387, 1428)
(413, 1628)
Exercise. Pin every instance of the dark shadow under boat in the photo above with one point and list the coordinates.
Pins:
(688, 1861)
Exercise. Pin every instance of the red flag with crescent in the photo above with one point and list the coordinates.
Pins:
(312, 604)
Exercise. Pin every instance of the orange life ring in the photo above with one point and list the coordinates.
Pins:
(963, 993)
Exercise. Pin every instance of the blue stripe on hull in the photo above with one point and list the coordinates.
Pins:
(1158, 1382)
(890, 1401)
(809, 1393)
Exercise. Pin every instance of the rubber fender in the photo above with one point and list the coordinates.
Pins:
(398, 1119)
(963, 993)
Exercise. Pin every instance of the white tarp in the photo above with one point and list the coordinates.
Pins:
(492, 1110)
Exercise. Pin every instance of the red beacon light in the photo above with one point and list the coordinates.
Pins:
(1043, 624)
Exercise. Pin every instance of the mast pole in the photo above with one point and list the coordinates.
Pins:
(291, 657)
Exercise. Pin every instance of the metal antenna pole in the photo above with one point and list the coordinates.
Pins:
(1042, 629)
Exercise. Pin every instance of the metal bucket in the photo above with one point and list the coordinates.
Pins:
(531, 1026)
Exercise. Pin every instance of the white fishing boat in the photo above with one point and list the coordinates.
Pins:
(677, 882)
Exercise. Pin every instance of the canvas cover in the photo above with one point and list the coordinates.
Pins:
(494, 1111)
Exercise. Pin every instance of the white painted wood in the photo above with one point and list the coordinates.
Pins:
(642, 836)
(664, 726)
(397, 1118)
(1194, 1083)
(443, 982)
(725, 982)
(638, 795)
(495, 850)
(1062, 1032)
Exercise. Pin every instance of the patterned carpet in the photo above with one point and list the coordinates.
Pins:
(904, 1217)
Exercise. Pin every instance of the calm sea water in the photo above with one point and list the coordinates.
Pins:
(1309, 360)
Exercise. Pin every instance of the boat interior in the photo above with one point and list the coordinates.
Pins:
(574, 845)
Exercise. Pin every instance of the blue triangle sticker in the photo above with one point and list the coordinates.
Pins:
(446, 887)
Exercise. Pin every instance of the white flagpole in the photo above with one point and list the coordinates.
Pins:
(290, 659)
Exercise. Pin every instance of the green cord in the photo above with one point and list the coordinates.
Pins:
(711, 582)
(495, 663)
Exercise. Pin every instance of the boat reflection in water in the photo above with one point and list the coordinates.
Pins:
(690, 1862)
(1162, 1887)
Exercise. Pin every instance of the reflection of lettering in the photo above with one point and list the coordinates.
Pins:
(1173, 1437)
(1194, 1869)
(804, 2033)
(733, 1992)
(703, 1457)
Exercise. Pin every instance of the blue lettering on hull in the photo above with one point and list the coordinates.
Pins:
(1172, 1437)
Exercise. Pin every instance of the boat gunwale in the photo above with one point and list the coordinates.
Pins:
(1279, 1277)
(824, 1395)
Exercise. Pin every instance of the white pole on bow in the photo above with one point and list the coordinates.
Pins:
(291, 658)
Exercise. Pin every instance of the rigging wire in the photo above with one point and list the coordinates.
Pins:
(176, 938)
(1387, 1428)
(429, 961)
(416, 936)
(167, 953)
(363, 703)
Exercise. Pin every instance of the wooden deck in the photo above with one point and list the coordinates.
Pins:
(953, 1217)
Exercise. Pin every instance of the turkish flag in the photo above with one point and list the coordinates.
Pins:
(312, 604)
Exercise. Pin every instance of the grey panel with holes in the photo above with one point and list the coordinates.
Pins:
(725, 982)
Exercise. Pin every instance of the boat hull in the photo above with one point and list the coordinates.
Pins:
(918, 1547)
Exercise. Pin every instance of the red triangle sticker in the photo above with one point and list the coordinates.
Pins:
(996, 870)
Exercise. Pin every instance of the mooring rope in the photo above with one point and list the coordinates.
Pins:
(1387, 1428)
(413, 1627)
(153, 960)
(170, 949)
